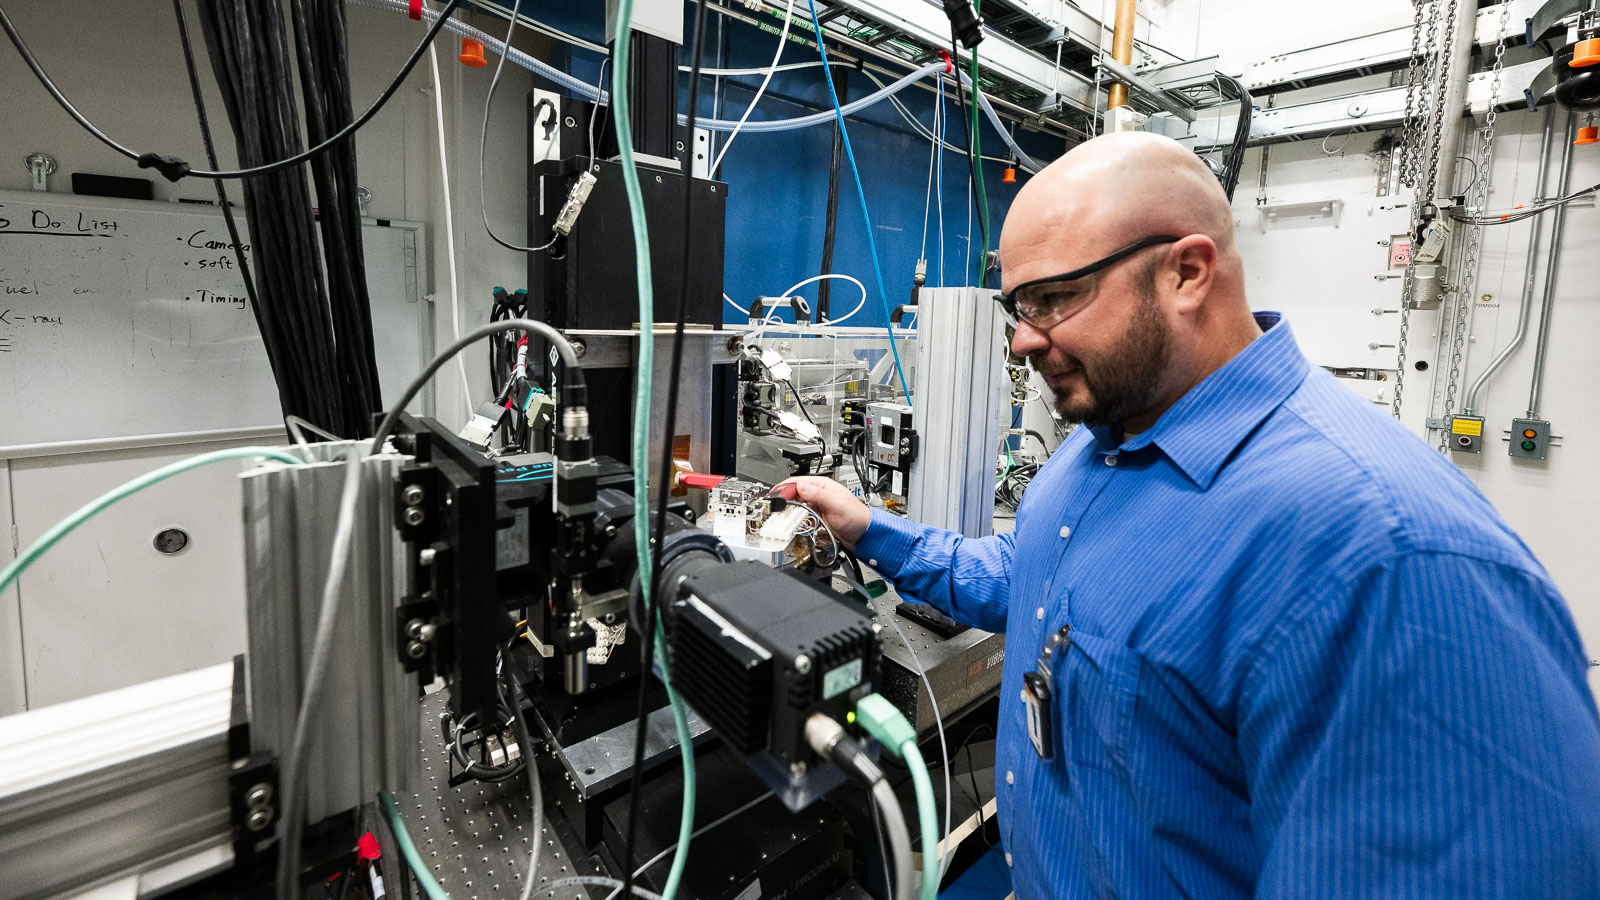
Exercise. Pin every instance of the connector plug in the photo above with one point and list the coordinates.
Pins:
(884, 721)
(828, 739)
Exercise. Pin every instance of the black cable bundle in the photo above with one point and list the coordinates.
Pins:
(1241, 136)
(503, 347)
(321, 39)
(830, 230)
(318, 333)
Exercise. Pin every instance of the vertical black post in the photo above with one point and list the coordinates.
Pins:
(653, 85)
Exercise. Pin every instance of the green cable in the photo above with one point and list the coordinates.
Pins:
(977, 153)
(884, 721)
(66, 526)
(409, 850)
(925, 818)
(620, 114)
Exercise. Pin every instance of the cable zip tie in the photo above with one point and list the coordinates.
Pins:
(949, 64)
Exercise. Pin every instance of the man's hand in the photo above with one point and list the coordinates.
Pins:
(846, 515)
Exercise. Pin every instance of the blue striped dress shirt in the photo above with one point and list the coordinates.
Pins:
(1306, 658)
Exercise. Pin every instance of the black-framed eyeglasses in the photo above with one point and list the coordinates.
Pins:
(1045, 302)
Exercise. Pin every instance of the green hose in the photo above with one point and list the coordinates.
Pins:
(409, 850)
(66, 526)
(641, 421)
(926, 813)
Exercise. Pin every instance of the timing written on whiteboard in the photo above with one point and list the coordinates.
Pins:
(37, 301)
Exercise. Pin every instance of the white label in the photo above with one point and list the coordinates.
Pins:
(841, 679)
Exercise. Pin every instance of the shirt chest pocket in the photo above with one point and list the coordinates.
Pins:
(1097, 687)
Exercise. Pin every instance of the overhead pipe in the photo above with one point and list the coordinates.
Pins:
(1161, 98)
(1529, 268)
(1122, 48)
(1552, 258)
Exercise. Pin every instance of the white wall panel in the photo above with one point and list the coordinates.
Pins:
(13, 696)
(104, 609)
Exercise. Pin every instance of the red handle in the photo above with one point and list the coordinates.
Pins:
(703, 482)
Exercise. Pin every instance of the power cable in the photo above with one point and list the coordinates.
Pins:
(1519, 214)
(275, 354)
(483, 140)
(783, 41)
(294, 763)
(449, 224)
(173, 168)
(525, 738)
(970, 140)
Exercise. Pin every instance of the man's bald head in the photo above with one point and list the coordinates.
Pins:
(1107, 193)
(1124, 343)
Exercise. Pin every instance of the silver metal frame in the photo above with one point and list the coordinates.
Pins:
(958, 396)
(117, 784)
(367, 729)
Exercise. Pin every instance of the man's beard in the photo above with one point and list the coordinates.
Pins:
(1122, 384)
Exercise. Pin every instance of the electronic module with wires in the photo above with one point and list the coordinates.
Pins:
(769, 525)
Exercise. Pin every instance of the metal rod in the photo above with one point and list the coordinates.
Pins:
(1530, 269)
(1122, 47)
(1455, 95)
(1429, 280)
(1552, 259)
(1128, 78)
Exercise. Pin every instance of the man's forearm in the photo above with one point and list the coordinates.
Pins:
(967, 578)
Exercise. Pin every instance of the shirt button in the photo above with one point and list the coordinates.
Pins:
(1040, 614)
(1065, 531)
(1010, 777)
(1008, 859)
(873, 563)
(1111, 460)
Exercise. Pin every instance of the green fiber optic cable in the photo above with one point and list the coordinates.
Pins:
(620, 114)
(409, 850)
(925, 818)
(884, 721)
(977, 153)
(61, 529)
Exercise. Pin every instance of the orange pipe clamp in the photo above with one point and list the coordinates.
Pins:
(1585, 53)
(472, 53)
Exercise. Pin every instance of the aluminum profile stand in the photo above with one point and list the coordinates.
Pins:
(960, 388)
(117, 785)
(366, 733)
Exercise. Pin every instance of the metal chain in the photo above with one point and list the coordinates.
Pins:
(1408, 138)
(1439, 85)
(1480, 201)
(1418, 121)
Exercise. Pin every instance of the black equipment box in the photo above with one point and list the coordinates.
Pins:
(756, 651)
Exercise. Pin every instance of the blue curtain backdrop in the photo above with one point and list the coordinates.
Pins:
(778, 182)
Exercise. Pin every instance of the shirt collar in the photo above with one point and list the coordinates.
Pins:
(1205, 426)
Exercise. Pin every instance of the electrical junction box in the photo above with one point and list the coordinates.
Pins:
(1530, 438)
(887, 424)
(1466, 434)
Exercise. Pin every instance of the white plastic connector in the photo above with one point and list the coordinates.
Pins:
(775, 365)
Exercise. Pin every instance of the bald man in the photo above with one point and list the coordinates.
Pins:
(1260, 639)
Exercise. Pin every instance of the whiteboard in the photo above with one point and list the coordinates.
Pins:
(121, 319)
